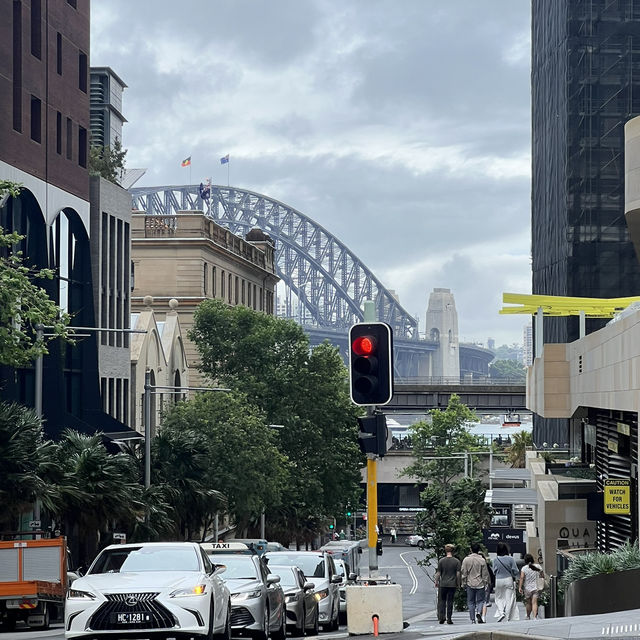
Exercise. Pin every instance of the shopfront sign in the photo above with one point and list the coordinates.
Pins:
(617, 497)
(513, 537)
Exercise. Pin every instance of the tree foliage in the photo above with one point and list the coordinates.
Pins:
(218, 452)
(23, 303)
(517, 451)
(304, 390)
(443, 437)
(108, 161)
(508, 370)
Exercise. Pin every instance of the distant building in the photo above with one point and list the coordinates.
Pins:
(442, 327)
(527, 342)
(491, 344)
(106, 107)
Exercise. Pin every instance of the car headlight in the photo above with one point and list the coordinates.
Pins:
(245, 595)
(198, 590)
(292, 597)
(76, 594)
(321, 595)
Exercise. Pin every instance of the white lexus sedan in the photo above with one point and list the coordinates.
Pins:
(149, 590)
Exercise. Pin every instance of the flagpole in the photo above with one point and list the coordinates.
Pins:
(228, 167)
(189, 174)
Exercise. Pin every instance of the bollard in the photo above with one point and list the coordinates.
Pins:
(553, 597)
(375, 619)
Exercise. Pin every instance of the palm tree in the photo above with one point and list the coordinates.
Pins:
(517, 452)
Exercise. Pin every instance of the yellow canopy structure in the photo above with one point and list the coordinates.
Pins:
(528, 304)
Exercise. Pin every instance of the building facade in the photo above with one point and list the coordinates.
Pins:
(106, 91)
(190, 258)
(585, 86)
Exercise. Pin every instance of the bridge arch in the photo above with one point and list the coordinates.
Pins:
(330, 282)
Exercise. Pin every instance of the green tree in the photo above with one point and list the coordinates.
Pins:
(509, 352)
(107, 162)
(517, 451)
(304, 390)
(23, 303)
(214, 448)
(508, 370)
(446, 435)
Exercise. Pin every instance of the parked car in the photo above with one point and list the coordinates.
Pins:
(302, 605)
(416, 541)
(347, 550)
(151, 588)
(319, 568)
(257, 599)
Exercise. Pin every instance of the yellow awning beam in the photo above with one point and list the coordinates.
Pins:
(529, 304)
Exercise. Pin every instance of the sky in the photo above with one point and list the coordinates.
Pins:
(401, 126)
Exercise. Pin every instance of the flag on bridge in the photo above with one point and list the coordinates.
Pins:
(186, 162)
(224, 159)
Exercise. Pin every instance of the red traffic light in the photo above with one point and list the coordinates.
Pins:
(364, 345)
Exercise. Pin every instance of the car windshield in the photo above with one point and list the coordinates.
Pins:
(287, 576)
(146, 559)
(340, 570)
(312, 564)
(239, 566)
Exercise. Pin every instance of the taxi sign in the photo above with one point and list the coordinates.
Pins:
(225, 547)
(617, 497)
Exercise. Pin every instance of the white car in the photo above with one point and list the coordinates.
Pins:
(149, 589)
(416, 541)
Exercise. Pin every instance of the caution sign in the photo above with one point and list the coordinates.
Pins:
(617, 497)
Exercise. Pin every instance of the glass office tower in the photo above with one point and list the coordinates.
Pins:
(585, 86)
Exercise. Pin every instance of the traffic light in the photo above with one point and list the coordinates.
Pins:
(348, 514)
(371, 363)
(373, 434)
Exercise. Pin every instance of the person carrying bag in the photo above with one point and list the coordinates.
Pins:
(506, 572)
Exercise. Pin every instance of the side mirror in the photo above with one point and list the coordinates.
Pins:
(219, 568)
(308, 586)
(272, 579)
(353, 576)
(336, 579)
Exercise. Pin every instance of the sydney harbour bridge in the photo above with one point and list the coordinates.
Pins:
(326, 284)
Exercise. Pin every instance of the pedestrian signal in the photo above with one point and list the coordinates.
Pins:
(371, 363)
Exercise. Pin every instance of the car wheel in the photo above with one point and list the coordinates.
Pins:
(281, 633)
(316, 625)
(46, 621)
(226, 633)
(299, 632)
(420, 544)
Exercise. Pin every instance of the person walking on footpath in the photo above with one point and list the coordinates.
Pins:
(506, 572)
(448, 579)
(393, 534)
(475, 578)
(529, 585)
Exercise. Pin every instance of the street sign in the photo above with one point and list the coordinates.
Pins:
(617, 496)
(35, 524)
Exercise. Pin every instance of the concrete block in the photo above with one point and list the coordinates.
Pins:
(363, 602)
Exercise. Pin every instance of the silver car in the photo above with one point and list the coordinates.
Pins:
(257, 600)
(300, 598)
(319, 568)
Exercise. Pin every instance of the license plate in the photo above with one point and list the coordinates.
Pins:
(131, 617)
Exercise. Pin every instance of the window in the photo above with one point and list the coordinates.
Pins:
(230, 293)
(222, 284)
(237, 290)
(82, 147)
(58, 133)
(69, 139)
(17, 66)
(206, 279)
(36, 119)
(36, 28)
(243, 295)
(73, 3)
(82, 71)
(213, 281)
(59, 53)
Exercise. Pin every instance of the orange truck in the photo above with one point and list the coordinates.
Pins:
(33, 581)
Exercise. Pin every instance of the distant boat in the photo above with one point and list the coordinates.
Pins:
(511, 420)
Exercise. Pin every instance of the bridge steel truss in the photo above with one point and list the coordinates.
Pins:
(329, 280)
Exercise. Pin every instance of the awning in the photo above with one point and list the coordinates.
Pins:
(124, 435)
(511, 496)
(510, 474)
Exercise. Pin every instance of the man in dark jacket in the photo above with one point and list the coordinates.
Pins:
(447, 581)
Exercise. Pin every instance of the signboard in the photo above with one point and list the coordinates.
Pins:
(119, 536)
(513, 537)
(35, 524)
(617, 497)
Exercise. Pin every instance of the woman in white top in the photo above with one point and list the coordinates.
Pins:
(529, 585)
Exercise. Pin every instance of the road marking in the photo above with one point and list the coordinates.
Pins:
(414, 579)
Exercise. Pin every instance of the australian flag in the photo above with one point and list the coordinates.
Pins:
(205, 191)
(224, 159)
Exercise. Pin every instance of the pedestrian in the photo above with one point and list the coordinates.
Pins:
(342, 535)
(393, 534)
(489, 590)
(529, 585)
(475, 577)
(448, 579)
(506, 572)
